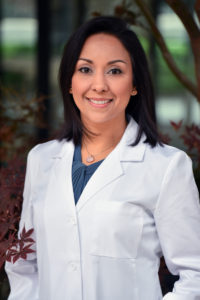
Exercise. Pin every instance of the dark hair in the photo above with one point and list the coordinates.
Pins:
(142, 108)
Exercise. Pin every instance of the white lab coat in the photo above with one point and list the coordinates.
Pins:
(140, 203)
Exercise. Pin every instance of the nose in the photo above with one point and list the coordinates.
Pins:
(99, 83)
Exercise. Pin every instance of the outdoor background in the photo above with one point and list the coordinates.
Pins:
(32, 36)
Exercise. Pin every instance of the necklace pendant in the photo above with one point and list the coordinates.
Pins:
(90, 158)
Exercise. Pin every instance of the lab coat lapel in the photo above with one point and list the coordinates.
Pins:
(112, 167)
(60, 190)
(108, 171)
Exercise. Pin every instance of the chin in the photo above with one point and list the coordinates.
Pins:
(96, 119)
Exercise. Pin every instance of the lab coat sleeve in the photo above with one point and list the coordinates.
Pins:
(177, 217)
(23, 276)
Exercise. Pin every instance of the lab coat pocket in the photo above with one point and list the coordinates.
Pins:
(116, 230)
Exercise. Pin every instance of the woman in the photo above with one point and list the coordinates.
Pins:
(107, 199)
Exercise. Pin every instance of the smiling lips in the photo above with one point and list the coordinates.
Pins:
(99, 102)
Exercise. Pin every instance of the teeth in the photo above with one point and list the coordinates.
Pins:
(99, 101)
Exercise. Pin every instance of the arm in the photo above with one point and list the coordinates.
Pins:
(22, 274)
(177, 218)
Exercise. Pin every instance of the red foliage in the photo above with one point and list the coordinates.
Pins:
(11, 187)
(191, 138)
(19, 248)
(176, 126)
(165, 138)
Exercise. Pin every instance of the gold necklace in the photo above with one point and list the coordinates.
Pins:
(91, 157)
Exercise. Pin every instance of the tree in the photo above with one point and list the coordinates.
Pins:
(190, 25)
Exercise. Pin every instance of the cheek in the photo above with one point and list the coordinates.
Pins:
(123, 87)
(75, 84)
(124, 92)
(79, 85)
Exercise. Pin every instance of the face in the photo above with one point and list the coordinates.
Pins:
(102, 82)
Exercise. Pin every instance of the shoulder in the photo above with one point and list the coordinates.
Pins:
(167, 156)
(167, 151)
(50, 149)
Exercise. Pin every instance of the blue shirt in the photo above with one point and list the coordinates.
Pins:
(81, 173)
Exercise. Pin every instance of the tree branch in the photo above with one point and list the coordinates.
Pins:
(193, 31)
(165, 51)
(186, 17)
(197, 9)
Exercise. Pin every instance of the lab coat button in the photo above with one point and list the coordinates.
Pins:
(73, 266)
(72, 220)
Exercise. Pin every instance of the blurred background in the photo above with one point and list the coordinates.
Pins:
(32, 37)
(33, 34)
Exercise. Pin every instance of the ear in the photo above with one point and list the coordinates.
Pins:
(134, 92)
(70, 90)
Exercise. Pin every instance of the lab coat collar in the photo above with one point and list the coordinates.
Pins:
(62, 149)
(128, 152)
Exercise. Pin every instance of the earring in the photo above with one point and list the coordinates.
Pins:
(134, 92)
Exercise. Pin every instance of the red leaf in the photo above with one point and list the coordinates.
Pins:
(29, 240)
(27, 247)
(28, 233)
(30, 251)
(8, 258)
(23, 232)
(23, 255)
(21, 245)
(16, 257)
(176, 126)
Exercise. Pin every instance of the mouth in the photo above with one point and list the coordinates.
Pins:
(99, 102)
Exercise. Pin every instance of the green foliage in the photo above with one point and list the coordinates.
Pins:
(18, 50)
(166, 82)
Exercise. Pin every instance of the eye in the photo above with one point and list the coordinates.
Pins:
(115, 71)
(84, 70)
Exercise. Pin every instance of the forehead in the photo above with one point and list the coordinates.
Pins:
(103, 44)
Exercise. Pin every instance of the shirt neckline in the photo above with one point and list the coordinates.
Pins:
(77, 158)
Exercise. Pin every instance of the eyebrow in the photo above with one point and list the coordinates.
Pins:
(109, 63)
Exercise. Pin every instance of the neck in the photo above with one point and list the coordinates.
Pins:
(106, 134)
